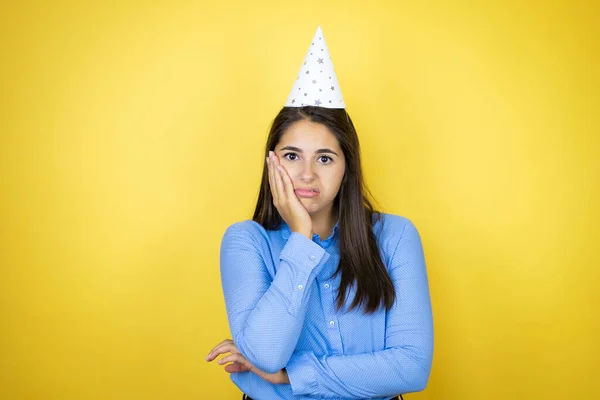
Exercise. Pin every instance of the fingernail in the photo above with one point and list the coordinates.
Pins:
(267, 160)
(270, 154)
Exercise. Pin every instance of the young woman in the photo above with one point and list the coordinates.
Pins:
(326, 298)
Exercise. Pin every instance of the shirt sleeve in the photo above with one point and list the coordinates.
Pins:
(266, 312)
(404, 365)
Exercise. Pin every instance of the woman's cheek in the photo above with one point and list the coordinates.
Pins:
(336, 177)
(291, 170)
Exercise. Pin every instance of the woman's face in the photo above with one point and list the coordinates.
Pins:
(315, 162)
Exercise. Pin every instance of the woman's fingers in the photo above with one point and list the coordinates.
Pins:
(231, 368)
(279, 180)
(273, 178)
(219, 345)
(233, 357)
(226, 346)
(235, 361)
(287, 182)
(238, 362)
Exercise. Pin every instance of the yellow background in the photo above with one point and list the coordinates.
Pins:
(132, 136)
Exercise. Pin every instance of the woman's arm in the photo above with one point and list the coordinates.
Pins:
(404, 365)
(266, 314)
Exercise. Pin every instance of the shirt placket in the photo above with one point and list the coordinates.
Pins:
(327, 290)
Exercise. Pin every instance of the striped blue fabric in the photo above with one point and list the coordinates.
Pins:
(280, 296)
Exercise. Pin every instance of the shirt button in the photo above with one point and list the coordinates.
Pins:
(331, 323)
(300, 287)
(326, 286)
(313, 257)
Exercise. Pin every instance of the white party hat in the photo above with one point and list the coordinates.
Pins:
(317, 83)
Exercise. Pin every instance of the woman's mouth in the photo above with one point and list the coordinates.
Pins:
(306, 193)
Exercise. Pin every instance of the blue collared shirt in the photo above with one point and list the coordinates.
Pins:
(280, 296)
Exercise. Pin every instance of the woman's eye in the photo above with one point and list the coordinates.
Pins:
(325, 159)
(291, 156)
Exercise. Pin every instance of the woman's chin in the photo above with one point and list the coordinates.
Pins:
(310, 205)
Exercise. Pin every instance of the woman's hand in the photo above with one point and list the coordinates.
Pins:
(285, 200)
(241, 364)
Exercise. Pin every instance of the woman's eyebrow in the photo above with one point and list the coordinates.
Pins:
(298, 150)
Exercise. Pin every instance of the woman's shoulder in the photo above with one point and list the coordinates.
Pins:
(390, 228)
(248, 234)
(391, 223)
(244, 233)
(246, 228)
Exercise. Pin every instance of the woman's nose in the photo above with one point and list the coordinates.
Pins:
(308, 172)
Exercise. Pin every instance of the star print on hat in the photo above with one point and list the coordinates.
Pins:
(317, 83)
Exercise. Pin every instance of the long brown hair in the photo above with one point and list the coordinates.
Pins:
(360, 261)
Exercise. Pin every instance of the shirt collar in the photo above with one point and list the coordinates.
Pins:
(286, 231)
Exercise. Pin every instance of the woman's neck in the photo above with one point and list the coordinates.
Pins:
(323, 224)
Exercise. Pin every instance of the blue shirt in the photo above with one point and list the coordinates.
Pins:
(280, 297)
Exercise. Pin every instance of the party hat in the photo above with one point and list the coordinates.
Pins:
(317, 83)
